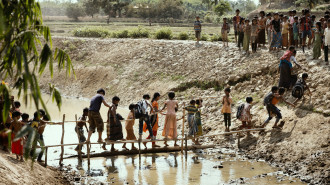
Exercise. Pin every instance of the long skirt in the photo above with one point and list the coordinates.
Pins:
(262, 36)
(277, 40)
(285, 41)
(269, 37)
(246, 42)
(240, 39)
(291, 39)
(170, 129)
(317, 46)
(286, 79)
(17, 146)
(192, 125)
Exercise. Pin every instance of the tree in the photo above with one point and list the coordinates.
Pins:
(25, 52)
(309, 3)
(74, 11)
(91, 7)
(222, 8)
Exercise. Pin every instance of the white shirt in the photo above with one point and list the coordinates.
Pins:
(326, 37)
(293, 59)
(145, 106)
(268, 23)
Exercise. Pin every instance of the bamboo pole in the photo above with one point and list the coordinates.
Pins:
(62, 140)
(186, 141)
(88, 155)
(80, 145)
(140, 136)
(46, 154)
(183, 120)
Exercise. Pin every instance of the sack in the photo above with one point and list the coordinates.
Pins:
(240, 111)
(139, 110)
(298, 90)
(268, 99)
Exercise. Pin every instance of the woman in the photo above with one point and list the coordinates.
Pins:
(318, 41)
(247, 35)
(170, 128)
(287, 80)
(277, 35)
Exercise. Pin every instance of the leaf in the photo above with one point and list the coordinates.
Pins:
(6, 106)
(45, 55)
(26, 129)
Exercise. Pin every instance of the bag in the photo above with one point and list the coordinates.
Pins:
(240, 111)
(139, 110)
(298, 90)
(268, 99)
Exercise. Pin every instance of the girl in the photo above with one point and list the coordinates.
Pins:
(254, 35)
(247, 35)
(170, 130)
(198, 120)
(226, 109)
(240, 33)
(246, 116)
(129, 127)
(269, 28)
(285, 33)
(153, 118)
(318, 41)
(277, 36)
(16, 126)
(224, 32)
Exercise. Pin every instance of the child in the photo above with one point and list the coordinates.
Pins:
(236, 22)
(261, 27)
(269, 28)
(25, 118)
(198, 120)
(285, 32)
(129, 127)
(295, 29)
(114, 131)
(302, 83)
(16, 106)
(170, 128)
(16, 126)
(277, 35)
(247, 35)
(254, 35)
(246, 116)
(224, 32)
(306, 24)
(270, 101)
(240, 33)
(326, 42)
(198, 29)
(191, 118)
(226, 109)
(145, 117)
(318, 41)
(80, 130)
(41, 129)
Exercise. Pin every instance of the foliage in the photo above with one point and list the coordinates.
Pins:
(245, 6)
(74, 11)
(91, 32)
(204, 37)
(164, 33)
(121, 34)
(25, 51)
(307, 3)
(216, 38)
(222, 7)
(139, 32)
(183, 36)
(91, 7)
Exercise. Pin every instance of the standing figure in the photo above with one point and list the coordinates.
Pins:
(129, 126)
(236, 21)
(285, 32)
(198, 120)
(254, 35)
(269, 28)
(326, 42)
(16, 126)
(318, 41)
(170, 127)
(277, 35)
(224, 32)
(80, 129)
(226, 109)
(198, 29)
(262, 29)
(240, 33)
(247, 35)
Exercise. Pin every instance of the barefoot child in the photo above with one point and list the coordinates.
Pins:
(80, 130)
(240, 33)
(285, 33)
(254, 35)
(16, 126)
(198, 29)
(300, 87)
(246, 116)
(191, 118)
(129, 127)
(224, 32)
(247, 35)
(25, 118)
(170, 128)
(226, 109)
(198, 120)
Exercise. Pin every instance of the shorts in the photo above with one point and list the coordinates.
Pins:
(95, 121)
(224, 36)
(236, 32)
(305, 34)
(295, 36)
(198, 34)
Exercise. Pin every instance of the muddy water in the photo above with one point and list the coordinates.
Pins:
(162, 168)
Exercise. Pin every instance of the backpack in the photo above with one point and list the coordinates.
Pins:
(268, 99)
(139, 110)
(298, 90)
(240, 111)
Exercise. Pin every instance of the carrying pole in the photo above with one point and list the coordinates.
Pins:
(62, 140)
(183, 120)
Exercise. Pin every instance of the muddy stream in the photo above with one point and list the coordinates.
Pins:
(211, 166)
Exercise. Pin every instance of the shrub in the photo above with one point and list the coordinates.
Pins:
(183, 36)
(120, 34)
(139, 32)
(164, 33)
(204, 37)
(91, 32)
(216, 38)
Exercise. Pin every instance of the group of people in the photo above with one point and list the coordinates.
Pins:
(15, 122)
(281, 31)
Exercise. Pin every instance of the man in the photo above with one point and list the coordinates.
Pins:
(198, 29)
(326, 42)
(94, 116)
(305, 26)
(236, 21)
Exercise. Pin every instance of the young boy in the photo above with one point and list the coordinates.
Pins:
(191, 118)
(80, 130)
(198, 29)
(224, 32)
(295, 29)
(226, 109)
(16, 126)
(326, 42)
(269, 28)
(236, 21)
(240, 30)
(302, 83)
(270, 102)
(25, 118)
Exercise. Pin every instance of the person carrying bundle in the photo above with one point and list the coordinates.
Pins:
(299, 88)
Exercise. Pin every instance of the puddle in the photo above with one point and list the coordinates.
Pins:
(161, 168)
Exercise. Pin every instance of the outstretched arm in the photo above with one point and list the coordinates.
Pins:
(288, 102)
(105, 103)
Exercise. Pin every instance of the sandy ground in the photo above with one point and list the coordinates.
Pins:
(130, 68)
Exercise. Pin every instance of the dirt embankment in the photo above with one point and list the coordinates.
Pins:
(130, 68)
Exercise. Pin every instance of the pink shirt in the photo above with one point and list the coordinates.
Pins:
(171, 104)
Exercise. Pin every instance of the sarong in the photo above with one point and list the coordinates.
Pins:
(262, 36)
(277, 39)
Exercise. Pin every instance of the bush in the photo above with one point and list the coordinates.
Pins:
(74, 10)
(216, 38)
(183, 36)
(120, 34)
(204, 37)
(139, 32)
(164, 33)
(91, 32)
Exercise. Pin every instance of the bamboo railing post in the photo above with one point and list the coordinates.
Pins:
(186, 143)
(183, 120)
(46, 154)
(80, 145)
(238, 140)
(88, 155)
(62, 140)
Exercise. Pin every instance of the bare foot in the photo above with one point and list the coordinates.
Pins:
(104, 148)
(176, 144)
(155, 146)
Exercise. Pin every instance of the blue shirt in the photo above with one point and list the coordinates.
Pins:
(295, 27)
(197, 26)
(96, 102)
